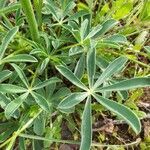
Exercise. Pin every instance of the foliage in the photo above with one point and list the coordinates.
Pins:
(53, 64)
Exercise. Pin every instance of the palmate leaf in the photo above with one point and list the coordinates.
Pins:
(51, 7)
(121, 111)
(101, 62)
(4, 100)
(20, 58)
(72, 100)
(147, 48)
(94, 31)
(10, 8)
(77, 15)
(14, 105)
(5, 74)
(117, 38)
(39, 124)
(41, 101)
(21, 75)
(9, 36)
(91, 61)
(84, 29)
(10, 129)
(127, 84)
(70, 76)
(86, 127)
(107, 44)
(113, 67)
(106, 26)
(46, 83)
(75, 50)
(10, 88)
(80, 67)
(67, 6)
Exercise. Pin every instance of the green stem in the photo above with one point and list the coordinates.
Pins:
(132, 59)
(94, 144)
(28, 10)
(12, 139)
(38, 7)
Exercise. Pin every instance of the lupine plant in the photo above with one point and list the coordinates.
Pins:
(50, 63)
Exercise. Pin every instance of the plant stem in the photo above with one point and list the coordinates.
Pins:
(18, 132)
(28, 10)
(38, 7)
(94, 144)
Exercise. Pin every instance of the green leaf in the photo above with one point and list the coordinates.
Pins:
(75, 50)
(106, 26)
(77, 15)
(39, 124)
(6, 40)
(123, 94)
(91, 65)
(46, 83)
(70, 76)
(5, 74)
(68, 111)
(9, 88)
(22, 143)
(72, 100)
(147, 48)
(52, 9)
(43, 65)
(113, 67)
(67, 7)
(2, 3)
(117, 38)
(21, 75)
(4, 100)
(14, 105)
(127, 84)
(41, 101)
(107, 44)
(101, 62)
(86, 127)
(123, 10)
(94, 31)
(20, 58)
(6, 134)
(84, 29)
(80, 67)
(121, 111)
(60, 94)
(10, 8)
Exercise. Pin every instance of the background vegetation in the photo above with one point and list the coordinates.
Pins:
(74, 74)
